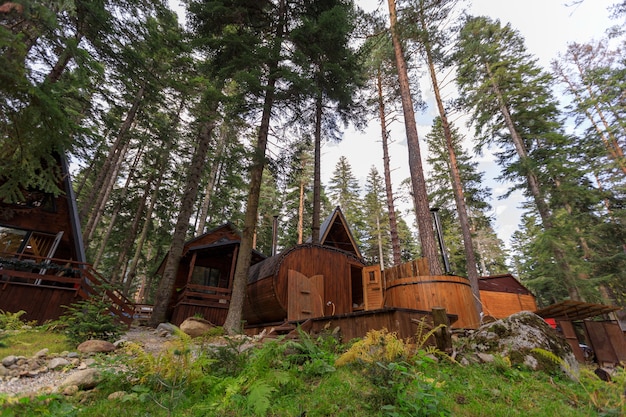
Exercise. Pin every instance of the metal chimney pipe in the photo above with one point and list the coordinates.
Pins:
(442, 245)
(274, 235)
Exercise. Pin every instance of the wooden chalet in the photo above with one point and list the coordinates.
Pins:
(503, 295)
(42, 258)
(205, 275)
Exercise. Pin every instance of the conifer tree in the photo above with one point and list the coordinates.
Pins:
(513, 109)
(344, 191)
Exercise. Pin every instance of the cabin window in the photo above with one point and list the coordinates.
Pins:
(209, 277)
(12, 240)
(36, 199)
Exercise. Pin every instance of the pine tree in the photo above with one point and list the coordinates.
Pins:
(330, 75)
(376, 243)
(513, 109)
(489, 251)
(344, 191)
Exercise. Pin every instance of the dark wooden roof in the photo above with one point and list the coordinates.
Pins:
(574, 310)
(335, 232)
(502, 283)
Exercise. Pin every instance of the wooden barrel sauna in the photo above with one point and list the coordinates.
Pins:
(424, 292)
(306, 281)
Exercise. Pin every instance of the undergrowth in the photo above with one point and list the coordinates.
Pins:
(379, 375)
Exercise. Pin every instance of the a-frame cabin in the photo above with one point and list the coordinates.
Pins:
(42, 257)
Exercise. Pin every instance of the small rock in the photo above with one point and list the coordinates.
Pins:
(166, 328)
(485, 357)
(85, 379)
(9, 360)
(3, 371)
(70, 390)
(96, 346)
(72, 355)
(42, 353)
(58, 363)
(116, 395)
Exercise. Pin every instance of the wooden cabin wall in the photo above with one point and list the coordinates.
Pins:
(40, 302)
(51, 221)
(503, 304)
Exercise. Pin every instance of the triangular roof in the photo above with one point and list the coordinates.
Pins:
(335, 232)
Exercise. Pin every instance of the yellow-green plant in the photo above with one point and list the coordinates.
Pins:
(11, 321)
(606, 396)
(376, 346)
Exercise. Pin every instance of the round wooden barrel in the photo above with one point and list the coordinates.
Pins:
(451, 292)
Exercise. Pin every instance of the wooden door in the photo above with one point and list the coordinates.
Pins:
(306, 296)
(372, 287)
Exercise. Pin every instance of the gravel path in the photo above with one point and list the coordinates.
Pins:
(46, 382)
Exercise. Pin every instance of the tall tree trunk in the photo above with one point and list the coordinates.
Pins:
(301, 213)
(132, 269)
(233, 322)
(317, 177)
(119, 270)
(215, 168)
(418, 182)
(103, 196)
(393, 223)
(455, 175)
(108, 170)
(192, 182)
(116, 210)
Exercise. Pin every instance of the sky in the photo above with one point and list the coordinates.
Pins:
(547, 27)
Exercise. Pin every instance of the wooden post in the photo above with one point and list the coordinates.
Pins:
(443, 337)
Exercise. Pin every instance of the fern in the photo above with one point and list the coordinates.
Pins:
(258, 399)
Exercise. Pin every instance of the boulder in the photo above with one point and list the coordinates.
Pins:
(195, 327)
(525, 339)
(96, 346)
(166, 329)
(84, 379)
(58, 363)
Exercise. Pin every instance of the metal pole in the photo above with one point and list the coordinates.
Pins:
(274, 235)
(442, 246)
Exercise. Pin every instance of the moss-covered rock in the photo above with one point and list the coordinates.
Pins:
(527, 340)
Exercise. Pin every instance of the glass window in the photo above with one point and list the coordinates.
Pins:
(209, 277)
(12, 240)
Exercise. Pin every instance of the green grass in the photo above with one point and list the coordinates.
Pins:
(300, 378)
(28, 342)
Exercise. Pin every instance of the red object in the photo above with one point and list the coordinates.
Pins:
(551, 322)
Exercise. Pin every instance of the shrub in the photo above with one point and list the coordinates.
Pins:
(90, 319)
(11, 321)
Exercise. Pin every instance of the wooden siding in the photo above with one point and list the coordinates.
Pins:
(268, 295)
(502, 304)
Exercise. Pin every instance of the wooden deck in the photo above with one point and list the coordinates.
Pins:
(402, 321)
(43, 286)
